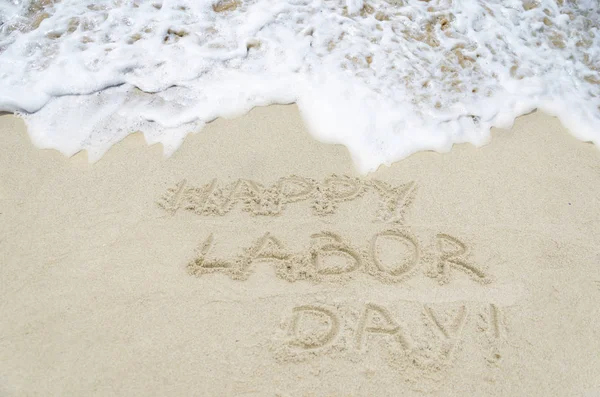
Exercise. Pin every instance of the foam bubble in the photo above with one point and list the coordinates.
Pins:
(384, 78)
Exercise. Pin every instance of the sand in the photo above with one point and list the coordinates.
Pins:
(256, 262)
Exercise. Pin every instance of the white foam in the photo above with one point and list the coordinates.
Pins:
(384, 78)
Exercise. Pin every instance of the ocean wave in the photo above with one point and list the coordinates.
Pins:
(384, 78)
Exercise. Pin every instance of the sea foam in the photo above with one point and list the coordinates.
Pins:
(383, 78)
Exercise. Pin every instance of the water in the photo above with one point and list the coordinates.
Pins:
(384, 78)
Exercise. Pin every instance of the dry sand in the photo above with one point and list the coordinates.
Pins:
(256, 262)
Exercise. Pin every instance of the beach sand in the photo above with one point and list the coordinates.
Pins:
(256, 262)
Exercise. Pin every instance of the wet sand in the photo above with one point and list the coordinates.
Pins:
(256, 262)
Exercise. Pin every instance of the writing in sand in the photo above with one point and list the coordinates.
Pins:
(324, 197)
